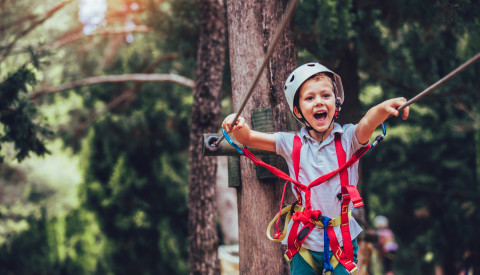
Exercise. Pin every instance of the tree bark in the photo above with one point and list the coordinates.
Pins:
(252, 25)
(227, 204)
(205, 118)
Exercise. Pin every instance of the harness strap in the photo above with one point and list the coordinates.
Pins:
(309, 217)
(307, 257)
(326, 246)
(297, 208)
(286, 210)
(344, 228)
(297, 147)
(338, 252)
(277, 172)
(296, 238)
(347, 164)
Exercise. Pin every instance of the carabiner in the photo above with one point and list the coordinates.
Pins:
(379, 138)
(227, 138)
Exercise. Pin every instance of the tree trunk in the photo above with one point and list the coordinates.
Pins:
(206, 114)
(227, 204)
(252, 25)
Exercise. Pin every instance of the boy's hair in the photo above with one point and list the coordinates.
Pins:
(317, 77)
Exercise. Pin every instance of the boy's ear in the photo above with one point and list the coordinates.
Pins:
(296, 112)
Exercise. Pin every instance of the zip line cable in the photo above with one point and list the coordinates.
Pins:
(281, 28)
(440, 82)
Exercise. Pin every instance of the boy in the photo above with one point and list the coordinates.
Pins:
(315, 94)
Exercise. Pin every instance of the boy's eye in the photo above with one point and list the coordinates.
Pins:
(326, 95)
(309, 98)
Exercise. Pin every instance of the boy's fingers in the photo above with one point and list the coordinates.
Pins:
(406, 112)
(240, 121)
(392, 111)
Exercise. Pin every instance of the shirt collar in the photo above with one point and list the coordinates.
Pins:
(305, 135)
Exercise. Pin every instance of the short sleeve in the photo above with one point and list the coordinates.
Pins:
(351, 138)
(284, 144)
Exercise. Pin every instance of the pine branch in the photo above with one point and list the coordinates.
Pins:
(8, 48)
(115, 79)
(18, 21)
(79, 35)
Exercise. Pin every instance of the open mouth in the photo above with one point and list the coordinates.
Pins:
(320, 115)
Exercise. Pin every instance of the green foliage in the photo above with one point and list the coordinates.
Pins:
(71, 245)
(17, 115)
(137, 163)
(137, 187)
(325, 28)
(424, 176)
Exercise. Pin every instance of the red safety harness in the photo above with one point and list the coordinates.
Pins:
(309, 218)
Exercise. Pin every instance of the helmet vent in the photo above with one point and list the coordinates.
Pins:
(285, 87)
(311, 65)
(291, 79)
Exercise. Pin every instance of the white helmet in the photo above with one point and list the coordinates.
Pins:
(304, 72)
(380, 222)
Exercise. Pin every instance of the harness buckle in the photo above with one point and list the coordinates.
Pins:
(378, 139)
(292, 210)
(354, 270)
(320, 217)
(288, 259)
(340, 197)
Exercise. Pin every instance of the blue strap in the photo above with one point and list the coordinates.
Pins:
(326, 246)
(227, 138)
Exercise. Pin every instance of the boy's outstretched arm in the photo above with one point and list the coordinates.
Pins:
(376, 115)
(246, 136)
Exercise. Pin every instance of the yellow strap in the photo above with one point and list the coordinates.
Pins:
(334, 263)
(287, 220)
(335, 222)
(309, 259)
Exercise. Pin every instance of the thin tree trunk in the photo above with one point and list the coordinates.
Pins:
(206, 114)
(252, 25)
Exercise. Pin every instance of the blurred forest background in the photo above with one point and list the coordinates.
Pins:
(94, 178)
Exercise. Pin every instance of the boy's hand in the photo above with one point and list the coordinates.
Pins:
(378, 114)
(244, 135)
(228, 121)
(391, 107)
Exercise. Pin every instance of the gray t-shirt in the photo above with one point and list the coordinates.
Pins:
(317, 160)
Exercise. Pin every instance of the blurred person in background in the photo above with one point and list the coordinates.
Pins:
(387, 247)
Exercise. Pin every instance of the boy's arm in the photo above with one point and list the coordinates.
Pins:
(376, 115)
(246, 136)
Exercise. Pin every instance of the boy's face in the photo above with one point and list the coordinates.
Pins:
(317, 103)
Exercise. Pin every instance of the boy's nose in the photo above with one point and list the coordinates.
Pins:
(318, 101)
